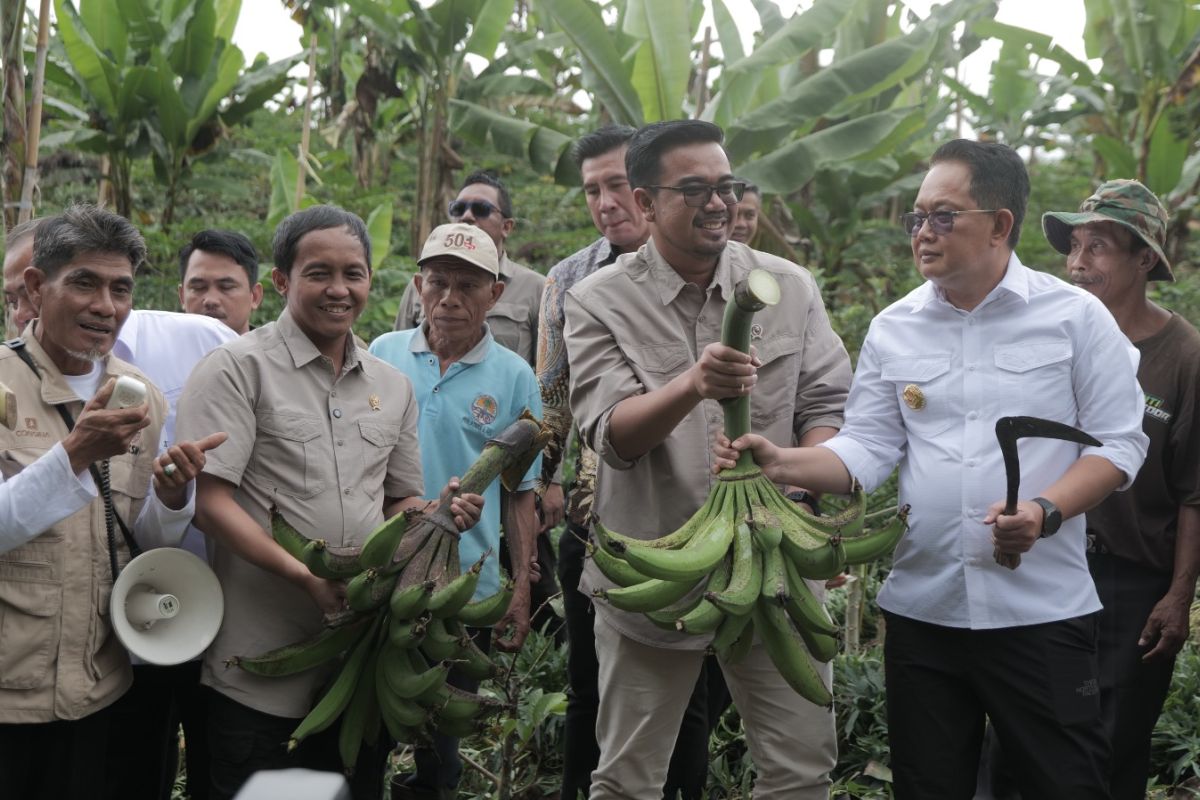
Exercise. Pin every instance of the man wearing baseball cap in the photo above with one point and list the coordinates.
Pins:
(468, 390)
(1143, 544)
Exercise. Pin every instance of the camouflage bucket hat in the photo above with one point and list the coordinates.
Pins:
(1127, 203)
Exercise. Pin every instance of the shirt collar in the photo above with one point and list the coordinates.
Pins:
(302, 349)
(505, 267)
(420, 344)
(1015, 281)
(669, 284)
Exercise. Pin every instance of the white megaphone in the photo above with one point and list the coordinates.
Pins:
(167, 606)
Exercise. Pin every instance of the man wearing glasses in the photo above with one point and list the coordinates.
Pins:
(647, 370)
(969, 631)
(484, 202)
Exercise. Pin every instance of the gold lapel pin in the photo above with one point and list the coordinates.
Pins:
(914, 398)
(373, 401)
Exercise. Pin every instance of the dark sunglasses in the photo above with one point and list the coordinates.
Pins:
(697, 195)
(940, 222)
(480, 209)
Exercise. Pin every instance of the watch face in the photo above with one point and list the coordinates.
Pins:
(1052, 517)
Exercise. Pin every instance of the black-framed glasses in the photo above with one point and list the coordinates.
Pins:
(940, 222)
(697, 195)
(480, 209)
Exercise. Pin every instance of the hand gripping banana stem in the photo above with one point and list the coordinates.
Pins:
(755, 292)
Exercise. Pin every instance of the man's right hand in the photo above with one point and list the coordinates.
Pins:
(724, 371)
(330, 596)
(102, 433)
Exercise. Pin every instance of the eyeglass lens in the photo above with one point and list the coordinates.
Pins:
(480, 209)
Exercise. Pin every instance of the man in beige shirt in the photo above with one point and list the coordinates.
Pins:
(75, 499)
(647, 372)
(326, 433)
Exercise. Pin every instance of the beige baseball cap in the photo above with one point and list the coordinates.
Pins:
(464, 242)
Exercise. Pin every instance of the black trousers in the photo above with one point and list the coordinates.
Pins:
(63, 760)
(1039, 685)
(1131, 692)
(243, 741)
(688, 771)
(143, 759)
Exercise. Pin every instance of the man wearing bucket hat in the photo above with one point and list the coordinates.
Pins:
(1143, 544)
(468, 390)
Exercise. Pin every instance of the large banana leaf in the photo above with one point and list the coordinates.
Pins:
(202, 96)
(97, 75)
(1164, 162)
(663, 59)
(107, 29)
(545, 148)
(793, 165)
(605, 74)
(379, 229)
(489, 26)
(800, 34)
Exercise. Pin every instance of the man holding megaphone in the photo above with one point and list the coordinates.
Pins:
(75, 472)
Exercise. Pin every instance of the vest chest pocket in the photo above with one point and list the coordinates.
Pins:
(288, 453)
(925, 391)
(775, 393)
(29, 626)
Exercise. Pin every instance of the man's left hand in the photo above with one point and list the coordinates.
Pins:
(1166, 629)
(178, 465)
(552, 507)
(512, 629)
(1017, 532)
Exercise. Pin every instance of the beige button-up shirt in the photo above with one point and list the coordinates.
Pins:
(514, 318)
(630, 329)
(326, 450)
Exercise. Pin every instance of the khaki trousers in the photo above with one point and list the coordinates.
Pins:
(644, 691)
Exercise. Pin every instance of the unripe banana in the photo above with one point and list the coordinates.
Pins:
(397, 712)
(615, 569)
(355, 720)
(325, 645)
(651, 595)
(287, 537)
(410, 681)
(411, 601)
(789, 653)
(728, 632)
(774, 584)
(848, 523)
(405, 634)
(338, 695)
(471, 661)
(330, 563)
(456, 704)
(813, 557)
(821, 646)
(443, 639)
(803, 606)
(615, 543)
(691, 562)
(368, 590)
(447, 602)
(381, 543)
(877, 543)
(489, 610)
(741, 648)
(745, 580)
(705, 616)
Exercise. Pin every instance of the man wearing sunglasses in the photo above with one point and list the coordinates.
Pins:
(484, 202)
(970, 631)
(647, 372)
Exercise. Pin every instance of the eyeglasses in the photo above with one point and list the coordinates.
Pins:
(697, 195)
(480, 209)
(940, 222)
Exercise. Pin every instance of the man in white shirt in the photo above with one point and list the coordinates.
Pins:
(984, 338)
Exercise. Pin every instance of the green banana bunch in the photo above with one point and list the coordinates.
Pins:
(408, 602)
(738, 568)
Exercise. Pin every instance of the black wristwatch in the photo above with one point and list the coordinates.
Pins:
(1051, 517)
(808, 498)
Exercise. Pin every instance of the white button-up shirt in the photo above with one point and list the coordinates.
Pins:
(932, 380)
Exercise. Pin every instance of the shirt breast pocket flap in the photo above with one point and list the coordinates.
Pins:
(29, 631)
(379, 434)
(775, 392)
(1036, 375)
(287, 452)
(668, 358)
(923, 390)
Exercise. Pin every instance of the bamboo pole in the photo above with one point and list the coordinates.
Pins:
(302, 165)
(34, 125)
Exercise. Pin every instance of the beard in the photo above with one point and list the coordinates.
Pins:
(93, 354)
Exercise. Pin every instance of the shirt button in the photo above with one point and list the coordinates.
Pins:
(431, 361)
(337, 413)
(970, 368)
(341, 442)
(973, 415)
(435, 389)
(970, 462)
(333, 393)
(346, 491)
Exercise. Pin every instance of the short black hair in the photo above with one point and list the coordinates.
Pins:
(489, 178)
(998, 177)
(751, 188)
(295, 226)
(85, 228)
(643, 159)
(601, 141)
(222, 242)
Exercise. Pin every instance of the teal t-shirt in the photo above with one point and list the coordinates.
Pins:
(478, 397)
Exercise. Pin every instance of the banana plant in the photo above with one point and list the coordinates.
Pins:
(154, 78)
